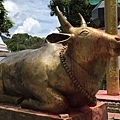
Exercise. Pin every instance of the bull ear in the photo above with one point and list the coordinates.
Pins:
(58, 38)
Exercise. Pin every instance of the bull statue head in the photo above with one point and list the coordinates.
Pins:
(96, 41)
(87, 51)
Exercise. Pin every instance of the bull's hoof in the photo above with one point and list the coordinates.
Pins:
(37, 105)
(10, 99)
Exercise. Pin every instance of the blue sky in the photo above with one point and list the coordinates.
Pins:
(31, 16)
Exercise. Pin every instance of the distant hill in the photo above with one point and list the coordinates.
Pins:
(4, 37)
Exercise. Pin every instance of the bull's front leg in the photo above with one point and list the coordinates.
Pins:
(5, 98)
(1, 87)
(48, 100)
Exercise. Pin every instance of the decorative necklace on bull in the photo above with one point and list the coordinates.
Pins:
(66, 26)
(74, 80)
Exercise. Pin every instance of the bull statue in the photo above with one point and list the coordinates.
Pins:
(66, 72)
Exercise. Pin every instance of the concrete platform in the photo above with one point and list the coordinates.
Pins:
(102, 95)
(114, 116)
(112, 102)
(98, 112)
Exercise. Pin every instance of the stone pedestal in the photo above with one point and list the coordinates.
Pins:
(98, 112)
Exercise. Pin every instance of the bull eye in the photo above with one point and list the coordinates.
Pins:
(84, 33)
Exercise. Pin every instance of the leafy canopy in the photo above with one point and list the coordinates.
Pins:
(71, 8)
(5, 22)
(24, 41)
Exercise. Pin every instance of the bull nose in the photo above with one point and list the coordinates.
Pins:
(117, 38)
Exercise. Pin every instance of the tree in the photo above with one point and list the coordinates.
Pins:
(71, 8)
(24, 41)
(5, 22)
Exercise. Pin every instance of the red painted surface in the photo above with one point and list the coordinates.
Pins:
(102, 94)
(115, 116)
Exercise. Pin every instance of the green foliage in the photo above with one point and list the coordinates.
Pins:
(71, 8)
(23, 41)
(5, 22)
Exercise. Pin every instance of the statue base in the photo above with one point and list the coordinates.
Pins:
(99, 112)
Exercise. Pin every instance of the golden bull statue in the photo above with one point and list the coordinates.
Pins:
(64, 73)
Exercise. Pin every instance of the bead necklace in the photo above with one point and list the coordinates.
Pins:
(74, 80)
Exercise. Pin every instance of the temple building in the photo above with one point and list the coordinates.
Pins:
(3, 49)
(3, 46)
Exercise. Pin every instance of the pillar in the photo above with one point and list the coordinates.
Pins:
(111, 23)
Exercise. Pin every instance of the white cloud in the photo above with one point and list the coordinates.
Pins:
(29, 26)
(20, 11)
(12, 8)
(14, 12)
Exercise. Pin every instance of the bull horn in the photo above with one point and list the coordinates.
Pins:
(64, 23)
(83, 23)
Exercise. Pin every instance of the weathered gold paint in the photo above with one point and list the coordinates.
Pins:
(36, 79)
(111, 24)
